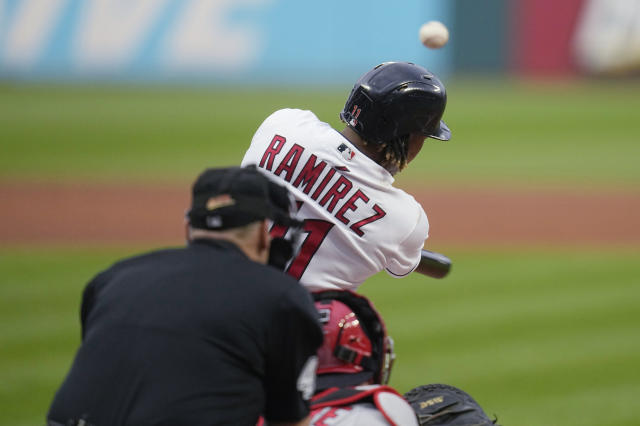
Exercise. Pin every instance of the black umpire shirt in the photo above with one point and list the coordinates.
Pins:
(190, 336)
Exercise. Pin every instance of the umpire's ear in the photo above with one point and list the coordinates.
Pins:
(264, 241)
(187, 229)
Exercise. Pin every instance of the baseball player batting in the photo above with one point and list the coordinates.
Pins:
(356, 223)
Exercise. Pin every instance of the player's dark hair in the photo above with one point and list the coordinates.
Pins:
(395, 153)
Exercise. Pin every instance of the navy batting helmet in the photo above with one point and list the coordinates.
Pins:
(395, 99)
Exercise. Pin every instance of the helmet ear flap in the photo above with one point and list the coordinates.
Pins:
(352, 346)
(359, 111)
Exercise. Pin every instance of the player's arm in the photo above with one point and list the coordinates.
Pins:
(403, 257)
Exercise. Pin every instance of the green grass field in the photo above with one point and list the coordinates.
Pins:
(577, 134)
(537, 336)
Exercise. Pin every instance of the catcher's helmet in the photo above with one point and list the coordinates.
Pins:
(395, 99)
(356, 348)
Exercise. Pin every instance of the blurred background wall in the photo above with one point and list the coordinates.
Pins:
(291, 42)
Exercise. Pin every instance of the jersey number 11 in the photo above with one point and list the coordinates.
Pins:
(316, 230)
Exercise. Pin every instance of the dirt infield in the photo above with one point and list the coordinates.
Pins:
(123, 214)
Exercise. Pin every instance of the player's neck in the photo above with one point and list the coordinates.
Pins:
(364, 147)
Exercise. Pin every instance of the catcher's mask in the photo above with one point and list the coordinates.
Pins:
(356, 348)
(395, 99)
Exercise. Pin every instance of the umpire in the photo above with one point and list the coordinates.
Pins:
(206, 334)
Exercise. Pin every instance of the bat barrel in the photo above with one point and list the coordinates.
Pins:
(435, 265)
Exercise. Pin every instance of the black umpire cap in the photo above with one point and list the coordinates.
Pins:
(225, 198)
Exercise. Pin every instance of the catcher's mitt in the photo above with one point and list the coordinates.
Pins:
(445, 405)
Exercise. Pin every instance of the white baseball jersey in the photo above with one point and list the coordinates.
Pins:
(356, 223)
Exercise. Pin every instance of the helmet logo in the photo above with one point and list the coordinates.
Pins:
(355, 113)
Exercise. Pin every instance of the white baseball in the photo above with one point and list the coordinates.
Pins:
(434, 34)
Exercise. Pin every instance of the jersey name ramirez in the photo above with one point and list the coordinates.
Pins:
(339, 196)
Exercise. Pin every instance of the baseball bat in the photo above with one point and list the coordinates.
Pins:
(432, 264)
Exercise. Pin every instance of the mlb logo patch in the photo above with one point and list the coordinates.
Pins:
(347, 153)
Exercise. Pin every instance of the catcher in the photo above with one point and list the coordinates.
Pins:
(354, 363)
